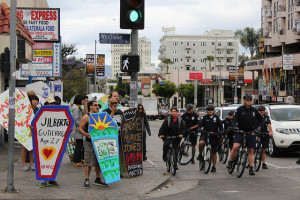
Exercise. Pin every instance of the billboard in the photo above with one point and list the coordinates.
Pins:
(46, 61)
(240, 74)
(90, 62)
(43, 24)
(195, 76)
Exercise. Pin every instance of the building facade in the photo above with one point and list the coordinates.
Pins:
(280, 22)
(188, 52)
(117, 50)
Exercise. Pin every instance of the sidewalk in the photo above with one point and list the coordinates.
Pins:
(71, 180)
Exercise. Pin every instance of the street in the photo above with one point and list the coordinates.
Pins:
(280, 181)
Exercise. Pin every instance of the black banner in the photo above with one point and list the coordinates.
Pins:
(132, 136)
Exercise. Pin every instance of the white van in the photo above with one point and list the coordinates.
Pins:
(285, 121)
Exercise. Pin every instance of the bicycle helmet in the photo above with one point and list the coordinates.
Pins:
(189, 106)
(261, 108)
(210, 107)
(231, 112)
(249, 96)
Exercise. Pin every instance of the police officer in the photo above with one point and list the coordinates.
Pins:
(228, 128)
(190, 119)
(210, 123)
(248, 119)
(264, 140)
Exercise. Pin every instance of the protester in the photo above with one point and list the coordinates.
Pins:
(90, 159)
(34, 101)
(58, 100)
(77, 114)
(143, 116)
(115, 95)
(117, 116)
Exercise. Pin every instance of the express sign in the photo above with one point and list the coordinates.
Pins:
(196, 76)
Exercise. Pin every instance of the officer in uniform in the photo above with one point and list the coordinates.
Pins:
(228, 127)
(210, 123)
(190, 119)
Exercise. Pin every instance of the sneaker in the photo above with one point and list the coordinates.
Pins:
(213, 169)
(176, 167)
(164, 158)
(24, 168)
(193, 161)
(31, 168)
(264, 166)
(44, 184)
(86, 184)
(53, 184)
(99, 182)
(144, 158)
(121, 176)
(298, 162)
(229, 164)
(199, 157)
(251, 171)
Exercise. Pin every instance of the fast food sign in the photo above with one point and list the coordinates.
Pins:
(43, 24)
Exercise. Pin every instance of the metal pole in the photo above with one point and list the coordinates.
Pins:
(12, 85)
(195, 92)
(205, 85)
(134, 75)
(235, 88)
(95, 64)
(220, 87)
(178, 90)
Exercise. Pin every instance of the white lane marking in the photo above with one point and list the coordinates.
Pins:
(231, 191)
(278, 167)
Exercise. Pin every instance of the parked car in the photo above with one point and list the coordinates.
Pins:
(181, 111)
(285, 121)
(201, 111)
(222, 112)
(162, 114)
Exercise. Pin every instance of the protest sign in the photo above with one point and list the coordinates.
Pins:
(23, 116)
(39, 88)
(51, 131)
(104, 135)
(132, 136)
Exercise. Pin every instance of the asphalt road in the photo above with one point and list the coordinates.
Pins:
(280, 181)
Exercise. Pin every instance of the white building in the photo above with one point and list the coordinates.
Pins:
(119, 49)
(188, 52)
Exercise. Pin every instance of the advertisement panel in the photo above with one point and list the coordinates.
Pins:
(90, 62)
(195, 76)
(43, 24)
(46, 61)
(240, 74)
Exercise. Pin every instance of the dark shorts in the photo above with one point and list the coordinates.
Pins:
(193, 138)
(214, 141)
(250, 140)
(264, 142)
(230, 139)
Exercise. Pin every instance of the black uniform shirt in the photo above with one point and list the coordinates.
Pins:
(211, 123)
(266, 122)
(227, 123)
(190, 120)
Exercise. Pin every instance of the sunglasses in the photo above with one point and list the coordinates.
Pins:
(210, 110)
(140, 108)
(261, 110)
(114, 103)
(96, 105)
(248, 100)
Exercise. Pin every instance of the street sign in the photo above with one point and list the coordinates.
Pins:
(114, 38)
(130, 63)
(195, 76)
(162, 83)
(287, 61)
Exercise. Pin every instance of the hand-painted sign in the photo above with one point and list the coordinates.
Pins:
(132, 136)
(23, 116)
(43, 24)
(46, 61)
(104, 135)
(51, 131)
(39, 88)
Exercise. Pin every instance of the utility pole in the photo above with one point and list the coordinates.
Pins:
(134, 75)
(205, 84)
(12, 85)
(195, 92)
(95, 64)
(236, 78)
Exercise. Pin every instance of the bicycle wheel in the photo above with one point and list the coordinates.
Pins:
(173, 163)
(257, 158)
(201, 162)
(207, 160)
(168, 162)
(221, 153)
(226, 151)
(185, 154)
(241, 164)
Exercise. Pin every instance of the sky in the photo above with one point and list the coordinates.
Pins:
(82, 21)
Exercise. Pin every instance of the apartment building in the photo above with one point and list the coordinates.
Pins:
(144, 51)
(188, 52)
(280, 22)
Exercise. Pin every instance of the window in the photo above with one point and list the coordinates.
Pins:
(228, 60)
(194, 44)
(230, 44)
(146, 86)
(213, 43)
(276, 26)
(188, 52)
(194, 51)
(188, 60)
(194, 60)
(219, 52)
(291, 5)
(219, 44)
(187, 68)
(188, 44)
(290, 21)
(275, 8)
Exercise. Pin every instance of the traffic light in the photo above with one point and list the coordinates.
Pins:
(130, 63)
(132, 14)
(5, 64)
(156, 80)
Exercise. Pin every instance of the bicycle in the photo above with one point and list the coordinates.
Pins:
(224, 150)
(185, 151)
(171, 156)
(258, 151)
(205, 161)
(241, 158)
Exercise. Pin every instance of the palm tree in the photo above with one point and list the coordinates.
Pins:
(210, 59)
(249, 38)
(168, 62)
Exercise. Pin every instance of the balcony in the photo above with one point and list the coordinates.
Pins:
(220, 55)
(187, 64)
(231, 55)
(219, 47)
(188, 55)
(188, 48)
(230, 47)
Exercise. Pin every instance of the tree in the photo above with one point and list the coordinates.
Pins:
(210, 59)
(187, 91)
(123, 88)
(167, 90)
(249, 38)
(67, 50)
(168, 62)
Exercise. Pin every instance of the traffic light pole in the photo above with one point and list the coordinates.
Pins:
(12, 85)
(134, 75)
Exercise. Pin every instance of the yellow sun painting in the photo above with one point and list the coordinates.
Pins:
(100, 125)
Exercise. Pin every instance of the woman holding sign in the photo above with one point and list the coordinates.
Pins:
(145, 122)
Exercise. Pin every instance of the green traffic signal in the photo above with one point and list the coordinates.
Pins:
(135, 16)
